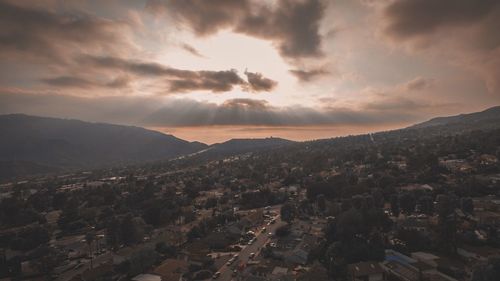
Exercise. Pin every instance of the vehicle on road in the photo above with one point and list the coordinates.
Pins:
(79, 265)
(235, 272)
(230, 261)
(251, 256)
(216, 275)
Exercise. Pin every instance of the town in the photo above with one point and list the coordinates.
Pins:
(400, 205)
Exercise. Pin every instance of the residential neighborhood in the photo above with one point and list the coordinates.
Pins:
(356, 210)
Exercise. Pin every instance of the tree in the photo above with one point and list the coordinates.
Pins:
(166, 250)
(447, 226)
(407, 202)
(113, 233)
(287, 212)
(467, 205)
(320, 199)
(132, 230)
(335, 260)
(283, 230)
(89, 238)
(141, 261)
(395, 205)
(426, 205)
(488, 272)
(349, 224)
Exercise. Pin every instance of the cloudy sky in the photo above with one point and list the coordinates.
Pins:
(210, 70)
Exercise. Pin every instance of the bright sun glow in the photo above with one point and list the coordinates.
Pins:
(228, 50)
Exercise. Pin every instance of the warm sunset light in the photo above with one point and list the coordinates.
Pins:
(290, 64)
(250, 140)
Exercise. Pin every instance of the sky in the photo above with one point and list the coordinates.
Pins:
(212, 70)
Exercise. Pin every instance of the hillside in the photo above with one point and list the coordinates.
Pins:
(59, 143)
(486, 119)
(244, 145)
(237, 146)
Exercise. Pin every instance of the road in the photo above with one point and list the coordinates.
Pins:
(98, 260)
(244, 255)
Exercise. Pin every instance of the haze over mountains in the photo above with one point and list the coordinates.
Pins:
(34, 145)
(477, 120)
(49, 143)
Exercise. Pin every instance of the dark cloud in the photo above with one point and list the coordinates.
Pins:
(112, 109)
(192, 50)
(215, 81)
(464, 30)
(259, 83)
(69, 81)
(309, 75)
(203, 17)
(83, 83)
(136, 67)
(419, 84)
(181, 81)
(388, 104)
(250, 112)
(159, 112)
(246, 103)
(41, 34)
(409, 18)
(292, 25)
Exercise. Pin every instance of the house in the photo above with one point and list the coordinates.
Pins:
(421, 266)
(279, 272)
(488, 217)
(254, 218)
(300, 254)
(366, 271)
(415, 187)
(426, 258)
(478, 254)
(101, 272)
(171, 269)
(147, 277)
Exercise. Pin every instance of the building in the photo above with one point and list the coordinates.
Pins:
(366, 271)
(172, 269)
(147, 277)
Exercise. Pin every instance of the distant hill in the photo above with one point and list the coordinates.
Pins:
(33, 144)
(487, 119)
(243, 145)
(238, 146)
(36, 145)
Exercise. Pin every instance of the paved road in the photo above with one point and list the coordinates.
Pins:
(98, 260)
(244, 255)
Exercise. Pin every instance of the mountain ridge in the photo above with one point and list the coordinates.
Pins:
(486, 115)
(74, 143)
(32, 144)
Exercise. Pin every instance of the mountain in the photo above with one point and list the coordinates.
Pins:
(39, 144)
(238, 146)
(486, 119)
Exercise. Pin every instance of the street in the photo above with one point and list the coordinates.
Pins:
(244, 255)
